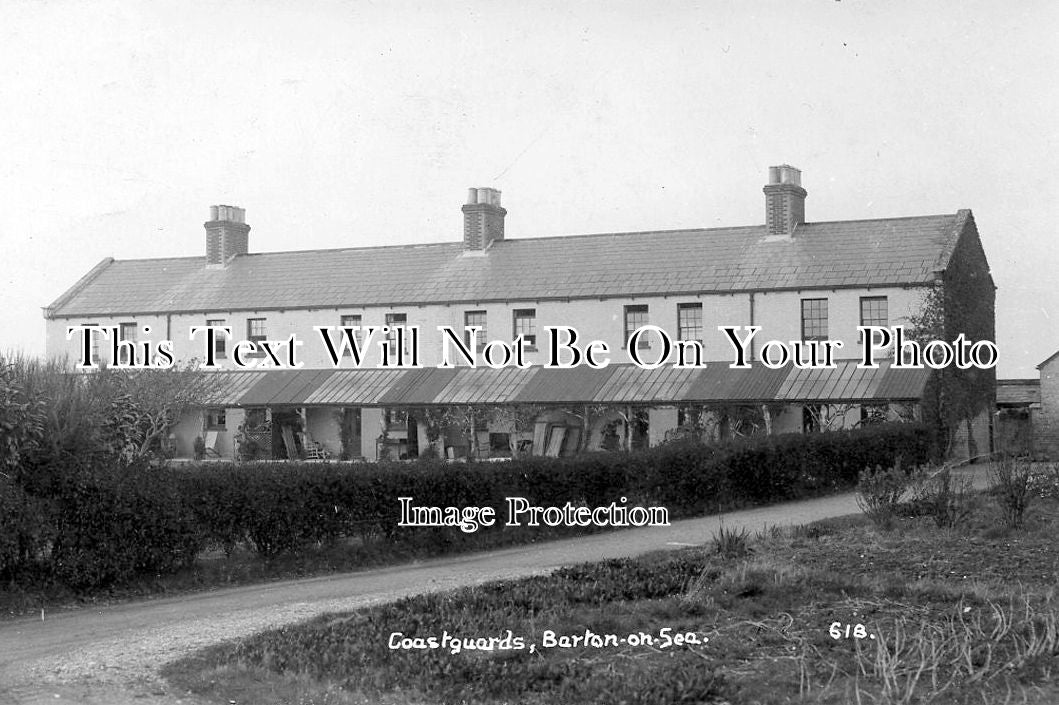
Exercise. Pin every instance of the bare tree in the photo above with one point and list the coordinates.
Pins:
(146, 404)
(434, 421)
(587, 413)
(468, 419)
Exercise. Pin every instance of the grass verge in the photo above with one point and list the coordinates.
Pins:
(832, 612)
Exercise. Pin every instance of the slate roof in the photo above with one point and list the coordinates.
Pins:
(1018, 392)
(861, 253)
(614, 384)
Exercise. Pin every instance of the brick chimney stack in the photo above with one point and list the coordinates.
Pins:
(227, 235)
(483, 220)
(784, 200)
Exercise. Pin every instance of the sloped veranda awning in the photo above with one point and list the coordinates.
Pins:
(616, 384)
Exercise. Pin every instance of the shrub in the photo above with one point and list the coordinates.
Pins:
(947, 499)
(108, 418)
(879, 493)
(1012, 487)
(21, 419)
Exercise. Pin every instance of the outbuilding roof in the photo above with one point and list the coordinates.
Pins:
(862, 253)
(716, 383)
(1018, 392)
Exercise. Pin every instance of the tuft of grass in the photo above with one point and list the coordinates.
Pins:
(731, 543)
(768, 531)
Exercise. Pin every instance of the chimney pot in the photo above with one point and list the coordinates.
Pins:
(227, 235)
(790, 175)
(483, 219)
(784, 200)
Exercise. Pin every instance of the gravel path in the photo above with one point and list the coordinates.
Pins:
(111, 656)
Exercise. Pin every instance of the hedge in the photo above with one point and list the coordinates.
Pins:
(24, 527)
(112, 525)
(105, 526)
(281, 507)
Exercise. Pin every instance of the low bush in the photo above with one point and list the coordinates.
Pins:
(879, 493)
(949, 500)
(1013, 488)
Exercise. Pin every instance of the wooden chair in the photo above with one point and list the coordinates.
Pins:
(314, 450)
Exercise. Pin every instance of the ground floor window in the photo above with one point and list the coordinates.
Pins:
(216, 420)
(873, 414)
(499, 443)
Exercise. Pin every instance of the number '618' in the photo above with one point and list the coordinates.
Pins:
(837, 630)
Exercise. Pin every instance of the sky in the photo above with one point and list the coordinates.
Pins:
(342, 124)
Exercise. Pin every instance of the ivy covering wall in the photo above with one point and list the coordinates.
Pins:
(964, 301)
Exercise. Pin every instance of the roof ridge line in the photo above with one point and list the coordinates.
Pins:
(77, 286)
(450, 243)
(963, 216)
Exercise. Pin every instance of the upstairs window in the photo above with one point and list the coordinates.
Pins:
(94, 337)
(635, 317)
(525, 324)
(257, 331)
(874, 311)
(126, 332)
(689, 322)
(475, 318)
(393, 322)
(814, 319)
(351, 321)
(220, 346)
